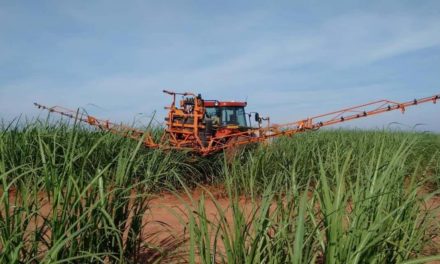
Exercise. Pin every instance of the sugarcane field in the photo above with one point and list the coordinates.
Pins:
(219, 132)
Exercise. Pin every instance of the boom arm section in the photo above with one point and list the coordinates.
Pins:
(352, 113)
(105, 125)
(189, 128)
(312, 123)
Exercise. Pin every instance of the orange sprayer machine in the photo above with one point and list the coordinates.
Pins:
(208, 126)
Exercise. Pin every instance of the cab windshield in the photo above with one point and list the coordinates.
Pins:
(228, 115)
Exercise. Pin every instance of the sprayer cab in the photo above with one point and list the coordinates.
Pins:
(226, 114)
(196, 121)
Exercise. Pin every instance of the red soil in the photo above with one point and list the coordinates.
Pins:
(166, 218)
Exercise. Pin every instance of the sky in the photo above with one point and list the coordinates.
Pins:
(287, 59)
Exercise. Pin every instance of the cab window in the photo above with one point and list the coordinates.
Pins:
(228, 115)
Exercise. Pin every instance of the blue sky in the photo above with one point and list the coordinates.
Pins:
(289, 59)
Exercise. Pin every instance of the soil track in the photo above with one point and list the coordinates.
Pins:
(167, 214)
(166, 219)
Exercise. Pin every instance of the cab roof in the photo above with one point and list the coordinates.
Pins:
(213, 103)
